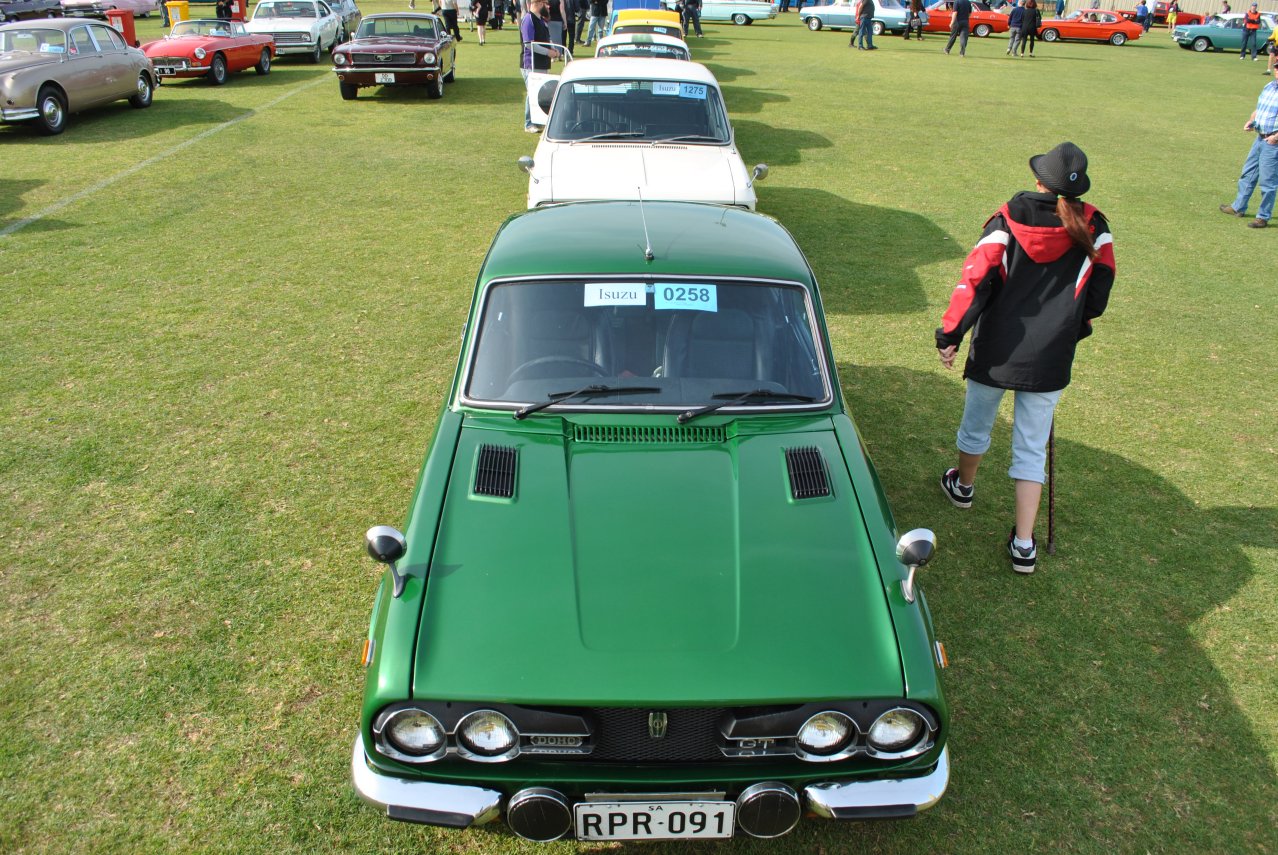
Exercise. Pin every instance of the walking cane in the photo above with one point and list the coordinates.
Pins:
(1051, 489)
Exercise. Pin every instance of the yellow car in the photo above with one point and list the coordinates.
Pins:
(650, 23)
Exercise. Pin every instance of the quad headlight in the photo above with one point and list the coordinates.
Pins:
(898, 733)
(487, 736)
(412, 735)
(826, 736)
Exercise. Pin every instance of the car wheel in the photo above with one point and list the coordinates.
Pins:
(217, 70)
(1202, 44)
(982, 30)
(145, 92)
(318, 52)
(814, 24)
(53, 111)
(1118, 39)
(349, 91)
(435, 89)
(877, 28)
(264, 62)
(740, 19)
(1051, 35)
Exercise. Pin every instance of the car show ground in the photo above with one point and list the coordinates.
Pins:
(226, 347)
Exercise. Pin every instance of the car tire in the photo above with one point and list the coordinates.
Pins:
(1051, 35)
(349, 90)
(217, 70)
(740, 19)
(318, 52)
(877, 28)
(52, 108)
(814, 24)
(145, 93)
(264, 62)
(1201, 44)
(982, 30)
(1118, 39)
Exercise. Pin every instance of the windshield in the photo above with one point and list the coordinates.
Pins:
(33, 40)
(639, 110)
(201, 28)
(417, 27)
(286, 9)
(681, 343)
(645, 49)
(671, 29)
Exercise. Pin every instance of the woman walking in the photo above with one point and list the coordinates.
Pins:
(1029, 292)
(1029, 26)
(480, 9)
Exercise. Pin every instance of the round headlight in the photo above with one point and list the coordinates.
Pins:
(199, 53)
(428, 58)
(896, 731)
(339, 59)
(414, 732)
(826, 734)
(487, 735)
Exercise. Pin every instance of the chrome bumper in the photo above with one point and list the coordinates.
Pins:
(412, 69)
(19, 114)
(896, 797)
(453, 805)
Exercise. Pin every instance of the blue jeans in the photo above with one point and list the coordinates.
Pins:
(1249, 37)
(865, 33)
(1260, 167)
(598, 27)
(1031, 424)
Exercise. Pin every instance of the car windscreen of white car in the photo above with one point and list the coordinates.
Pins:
(654, 51)
(645, 344)
(643, 110)
(286, 9)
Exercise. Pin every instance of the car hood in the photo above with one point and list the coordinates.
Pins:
(281, 25)
(627, 572)
(18, 60)
(388, 43)
(666, 172)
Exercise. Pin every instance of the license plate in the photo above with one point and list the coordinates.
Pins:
(654, 820)
(383, 77)
(165, 71)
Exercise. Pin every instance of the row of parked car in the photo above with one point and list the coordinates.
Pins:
(650, 587)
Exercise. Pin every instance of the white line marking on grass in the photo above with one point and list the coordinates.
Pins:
(138, 167)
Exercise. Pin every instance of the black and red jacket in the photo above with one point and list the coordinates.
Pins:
(1031, 295)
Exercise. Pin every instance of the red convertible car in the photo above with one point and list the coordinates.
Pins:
(1091, 25)
(1183, 18)
(983, 21)
(397, 49)
(211, 48)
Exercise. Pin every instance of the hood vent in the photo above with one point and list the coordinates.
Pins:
(495, 471)
(652, 435)
(808, 478)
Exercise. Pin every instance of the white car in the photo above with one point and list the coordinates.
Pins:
(98, 8)
(650, 45)
(298, 26)
(622, 128)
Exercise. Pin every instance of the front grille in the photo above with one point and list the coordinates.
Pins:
(622, 735)
(168, 62)
(658, 434)
(383, 58)
(291, 38)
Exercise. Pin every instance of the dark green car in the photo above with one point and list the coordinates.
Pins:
(650, 586)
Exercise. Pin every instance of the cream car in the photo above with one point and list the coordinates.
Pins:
(298, 26)
(622, 128)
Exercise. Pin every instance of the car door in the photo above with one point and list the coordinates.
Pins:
(330, 23)
(83, 70)
(118, 68)
(939, 17)
(839, 15)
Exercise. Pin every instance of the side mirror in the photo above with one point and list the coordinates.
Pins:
(760, 172)
(914, 550)
(546, 94)
(386, 546)
(526, 164)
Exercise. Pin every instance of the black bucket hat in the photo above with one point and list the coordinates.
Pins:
(1063, 170)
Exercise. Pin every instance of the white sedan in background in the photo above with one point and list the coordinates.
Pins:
(298, 26)
(622, 128)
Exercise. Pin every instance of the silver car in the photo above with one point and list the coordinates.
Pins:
(52, 68)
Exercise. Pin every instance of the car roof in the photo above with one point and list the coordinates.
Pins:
(687, 239)
(52, 24)
(638, 68)
(423, 15)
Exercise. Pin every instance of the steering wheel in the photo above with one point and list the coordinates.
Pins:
(589, 126)
(528, 367)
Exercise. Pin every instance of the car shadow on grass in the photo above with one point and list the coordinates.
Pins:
(726, 73)
(112, 123)
(865, 257)
(745, 99)
(775, 146)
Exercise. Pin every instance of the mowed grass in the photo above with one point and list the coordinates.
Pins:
(228, 333)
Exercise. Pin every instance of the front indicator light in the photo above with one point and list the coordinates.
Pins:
(898, 733)
(487, 736)
(826, 736)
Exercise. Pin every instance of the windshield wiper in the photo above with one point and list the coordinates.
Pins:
(690, 138)
(610, 135)
(584, 392)
(734, 398)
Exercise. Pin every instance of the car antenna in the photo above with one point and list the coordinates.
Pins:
(647, 248)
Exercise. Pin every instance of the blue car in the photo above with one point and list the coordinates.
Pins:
(889, 16)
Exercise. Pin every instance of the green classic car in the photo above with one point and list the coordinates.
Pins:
(650, 587)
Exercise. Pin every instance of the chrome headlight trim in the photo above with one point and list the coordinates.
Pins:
(199, 53)
(465, 747)
(428, 58)
(385, 743)
(921, 745)
(846, 749)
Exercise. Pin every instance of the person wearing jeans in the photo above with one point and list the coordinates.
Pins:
(864, 39)
(1029, 291)
(959, 26)
(598, 21)
(1261, 166)
(692, 17)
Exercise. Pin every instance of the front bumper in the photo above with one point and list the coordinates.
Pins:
(410, 75)
(19, 114)
(460, 806)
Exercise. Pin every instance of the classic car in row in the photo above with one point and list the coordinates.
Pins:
(25, 10)
(889, 16)
(739, 12)
(98, 8)
(307, 27)
(644, 515)
(646, 45)
(397, 49)
(54, 67)
(645, 25)
(1219, 34)
(982, 22)
(1090, 25)
(622, 128)
(1159, 10)
(212, 48)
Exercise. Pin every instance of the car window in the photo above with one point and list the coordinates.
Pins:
(686, 340)
(81, 42)
(33, 40)
(417, 27)
(649, 50)
(639, 110)
(109, 38)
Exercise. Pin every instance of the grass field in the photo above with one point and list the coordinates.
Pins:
(229, 325)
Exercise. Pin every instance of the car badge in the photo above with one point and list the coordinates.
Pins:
(657, 722)
(383, 57)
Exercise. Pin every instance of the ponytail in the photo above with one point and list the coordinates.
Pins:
(1070, 212)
